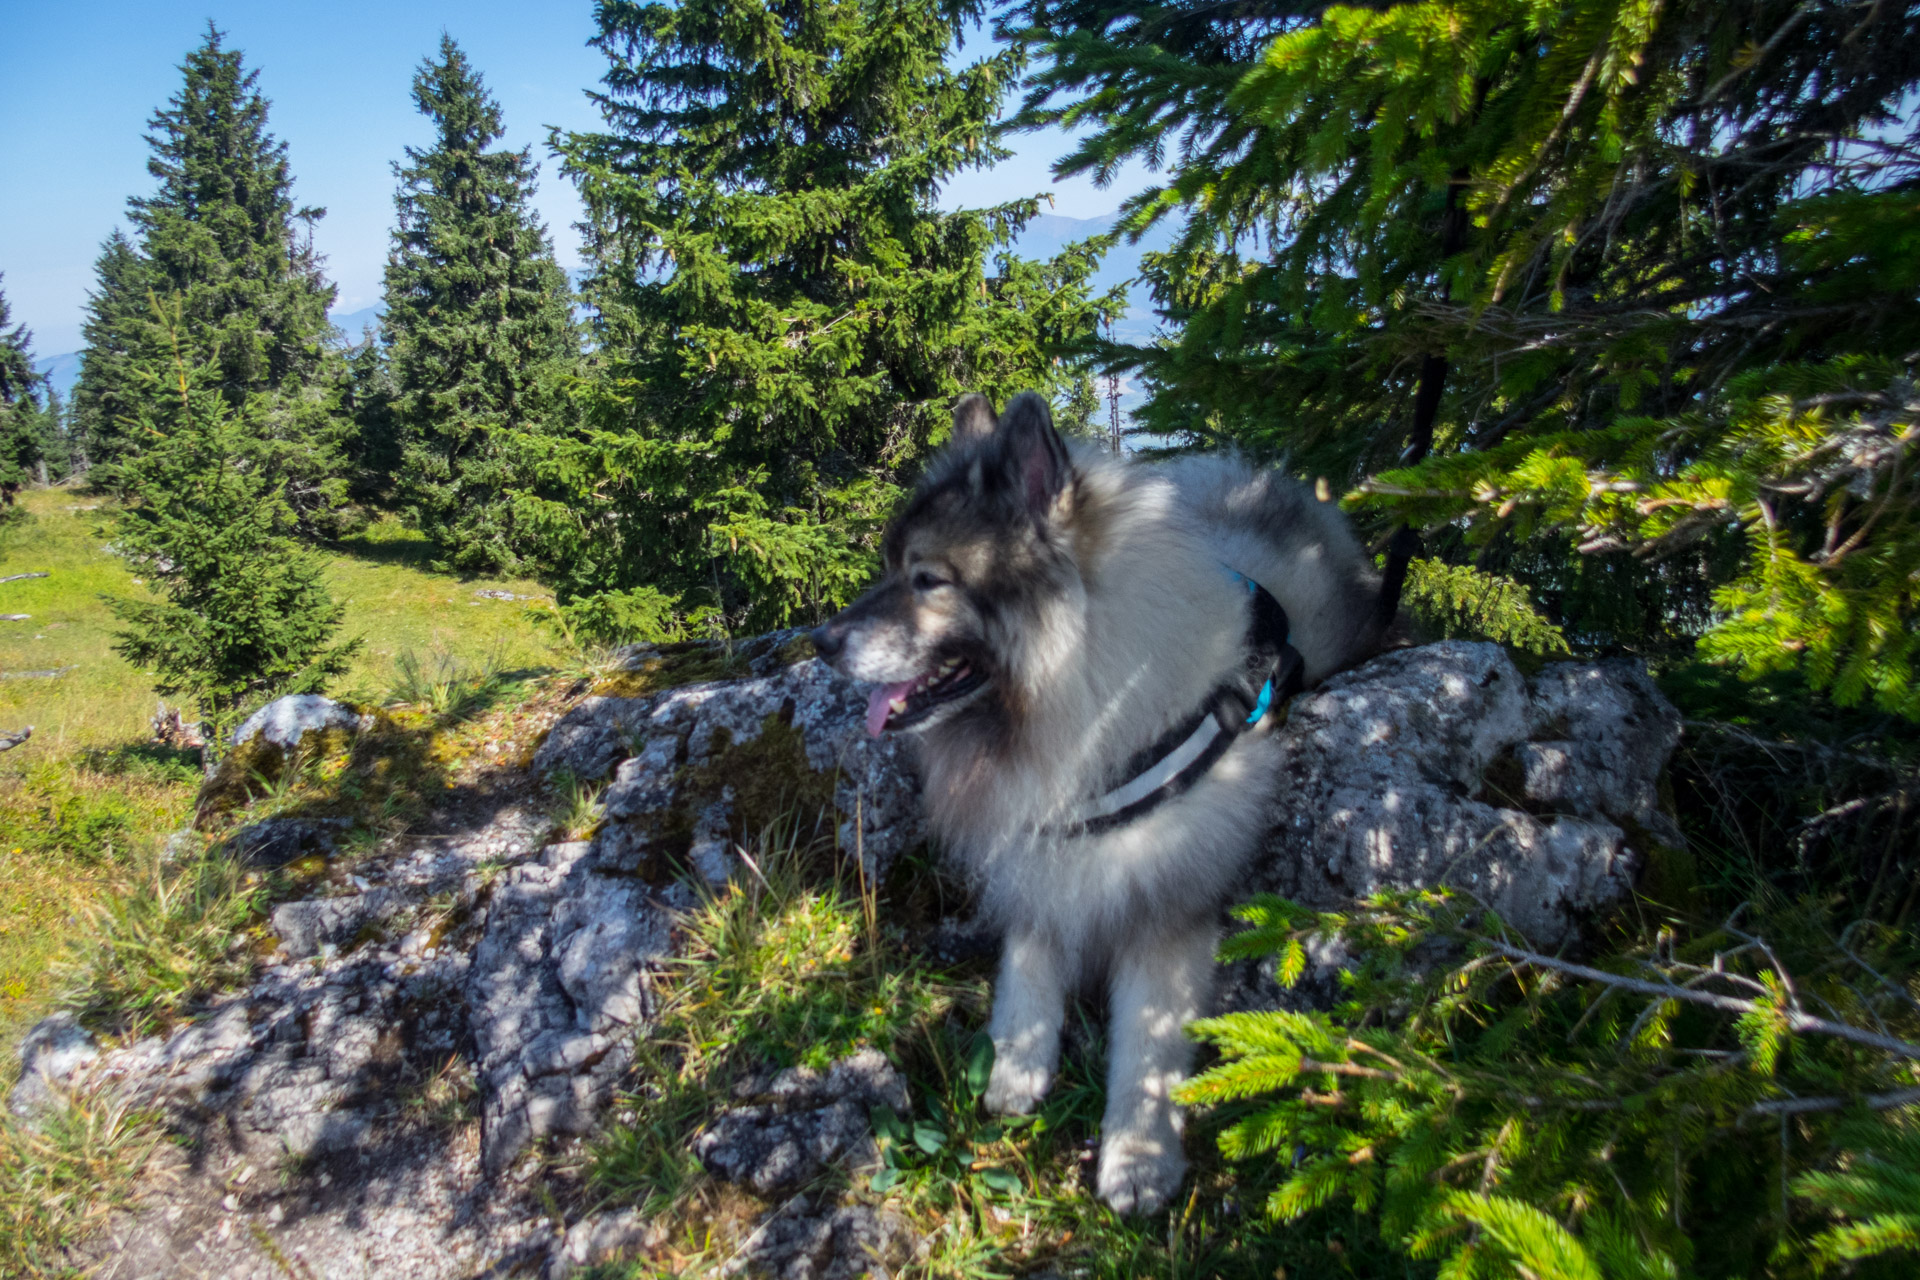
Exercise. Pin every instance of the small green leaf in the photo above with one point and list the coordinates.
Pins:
(980, 1064)
(1000, 1181)
(886, 1178)
(888, 1125)
(930, 1138)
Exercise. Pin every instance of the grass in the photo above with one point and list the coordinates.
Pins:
(403, 609)
(59, 1179)
(84, 804)
(799, 964)
(393, 601)
(102, 700)
(154, 949)
(70, 828)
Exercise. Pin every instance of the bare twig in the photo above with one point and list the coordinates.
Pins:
(1794, 19)
(1820, 749)
(21, 577)
(48, 674)
(1801, 1106)
(1794, 1019)
(8, 741)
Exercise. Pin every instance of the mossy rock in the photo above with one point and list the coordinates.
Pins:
(770, 780)
(673, 666)
(259, 764)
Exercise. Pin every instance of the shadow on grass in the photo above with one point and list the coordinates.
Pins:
(147, 760)
(774, 968)
(409, 550)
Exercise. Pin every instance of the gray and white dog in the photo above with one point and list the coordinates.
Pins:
(1068, 634)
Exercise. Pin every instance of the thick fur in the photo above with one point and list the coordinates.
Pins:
(1089, 590)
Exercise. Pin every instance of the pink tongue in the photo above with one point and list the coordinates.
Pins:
(879, 705)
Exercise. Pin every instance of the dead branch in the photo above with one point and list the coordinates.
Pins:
(1794, 1019)
(8, 741)
(1802, 1106)
(21, 577)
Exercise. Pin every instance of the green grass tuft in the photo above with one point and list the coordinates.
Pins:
(181, 932)
(60, 1177)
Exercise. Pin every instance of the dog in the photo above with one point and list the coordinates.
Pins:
(1078, 643)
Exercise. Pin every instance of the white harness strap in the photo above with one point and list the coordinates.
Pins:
(1164, 771)
(1185, 753)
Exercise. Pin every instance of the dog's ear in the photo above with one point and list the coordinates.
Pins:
(1036, 456)
(973, 420)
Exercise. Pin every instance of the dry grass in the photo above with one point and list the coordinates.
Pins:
(60, 1178)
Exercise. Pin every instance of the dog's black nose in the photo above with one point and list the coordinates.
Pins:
(828, 640)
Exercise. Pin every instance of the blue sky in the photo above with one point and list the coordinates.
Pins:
(79, 80)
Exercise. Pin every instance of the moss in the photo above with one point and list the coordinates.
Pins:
(797, 649)
(672, 666)
(257, 765)
(1669, 876)
(770, 779)
(770, 776)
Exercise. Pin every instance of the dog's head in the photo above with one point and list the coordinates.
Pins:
(971, 563)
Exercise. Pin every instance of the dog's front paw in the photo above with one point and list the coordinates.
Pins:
(1139, 1175)
(1015, 1088)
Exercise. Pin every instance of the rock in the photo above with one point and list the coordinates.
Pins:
(172, 729)
(274, 842)
(51, 1055)
(604, 1237)
(696, 767)
(285, 721)
(525, 967)
(304, 725)
(809, 1120)
(1445, 765)
(305, 927)
(801, 1242)
(556, 991)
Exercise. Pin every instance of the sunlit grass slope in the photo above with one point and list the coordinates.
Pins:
(83, 803)
(394, 601)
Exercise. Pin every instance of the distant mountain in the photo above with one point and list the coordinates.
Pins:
(63, 371)
(352, 323)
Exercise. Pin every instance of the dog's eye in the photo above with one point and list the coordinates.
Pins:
(927, 580)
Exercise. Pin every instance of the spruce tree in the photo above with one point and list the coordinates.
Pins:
(783, 317)
(243, 613)
(20, 411)
(221, 233)
(117, 310)
(477, 327)
(53, 439)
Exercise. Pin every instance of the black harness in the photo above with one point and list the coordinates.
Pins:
(1182, 755)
